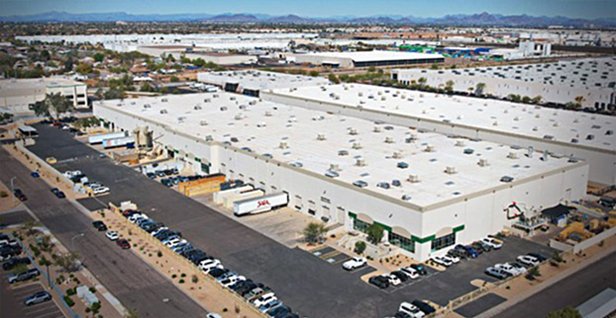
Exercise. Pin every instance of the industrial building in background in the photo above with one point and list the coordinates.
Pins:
(365, 58)
(428, 191)
(16, 95)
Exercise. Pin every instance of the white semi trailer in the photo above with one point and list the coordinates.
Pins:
(219, 196)
(97, 139)
(230, 200)
(260, 204)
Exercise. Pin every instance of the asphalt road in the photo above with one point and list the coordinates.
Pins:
(14, 218)
(129, 279)
(571, 291)
(303, 281)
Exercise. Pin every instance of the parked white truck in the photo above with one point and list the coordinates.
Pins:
(118, 142)
(97, 139)
(260, 204)
(230, 200)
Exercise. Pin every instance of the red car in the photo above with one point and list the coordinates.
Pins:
(123, 243)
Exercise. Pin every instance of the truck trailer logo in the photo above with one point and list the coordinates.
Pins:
(262, 203)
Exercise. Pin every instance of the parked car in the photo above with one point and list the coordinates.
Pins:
(151, 175)
(467, 250)
(509, 269)
(411, 310)
(37, 298)
(35, 174)
(19, 195)
(402, 276)
(498, 273)
(166, 182)
(410, 272)
(58, 193)
(213, 315)
(123, 243)
(209, 264)
(393, 279)
(538, 256)
(457, 253)
(519, 267)
(99, 225)
(420, 268)
(264, 299)
(354, 263)
(441, 261)
(112, 235)
(424, 307)
(270, 305)
(279, 311)
(494, 243)
(23, 276)
(100, 190)
(379, 281)
(528, 260)
(51, 160)
(13, 262)
(451, 258)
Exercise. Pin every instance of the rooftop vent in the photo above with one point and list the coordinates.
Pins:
(377, 129)
(459, 143)
(512, 155)
(320, 136)
(429, 148)
(238, 117)
(197, 107)
(164, 100)
(360, 162)
(283, 145)
(397, 154)
(483, 163)
(356, 145)
(413, 178)
(334, 167)
(223, 108)
(203, 123)
(389, 140)
(252, 102)
(450, 170)
(163, 111)
(207, 100)
(147, 106)
(268, 114)
(352, 131)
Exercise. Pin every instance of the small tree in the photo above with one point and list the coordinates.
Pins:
(360, 247)
(69, 261)
(556, 257)
(568, 312)
(537, 99)
(313, 232)
(533, 273)
(313, 73)
(375, 233)
(53, 104)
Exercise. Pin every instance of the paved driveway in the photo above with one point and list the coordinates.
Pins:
(307, 283)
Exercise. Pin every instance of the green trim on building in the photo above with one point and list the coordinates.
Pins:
(458, 228)
(197, 159)
(176, 151)
(423, 240)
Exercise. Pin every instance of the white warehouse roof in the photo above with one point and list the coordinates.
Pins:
(260, 127)
(260, 80)
(368, 56)
(571, 127)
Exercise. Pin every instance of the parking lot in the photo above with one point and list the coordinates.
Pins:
(312, 285)
(17, 294)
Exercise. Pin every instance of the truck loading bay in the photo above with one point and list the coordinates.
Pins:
(307, 283)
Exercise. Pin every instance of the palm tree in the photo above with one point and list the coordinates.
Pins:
(314, 232)
(52, 106)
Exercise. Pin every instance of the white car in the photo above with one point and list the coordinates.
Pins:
(506, 267)
(174, 242)
(133, 218)
(100, 190)
(496, 244)
(452, 259)
(70, 174)
(528, 260)
(411, 310)
(264, 299)
(159, 230)
(441, 261)
(410, 272)
(232, 280)
(112, 235)
(213, 315)
(354, 263)
(209, 264)
(393, 280)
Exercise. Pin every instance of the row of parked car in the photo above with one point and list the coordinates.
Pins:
(461, 252)
(259, 295)
(519, 267)
(414, 309)
(77, 177)
(10, 251)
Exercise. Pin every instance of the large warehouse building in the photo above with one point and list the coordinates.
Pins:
(559, 82)
(366, 58)
(561, 132)
(16, 95)
(428, 191)
(251, 82)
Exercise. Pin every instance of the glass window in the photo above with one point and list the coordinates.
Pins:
(360, 225)
(402, 242)
(443, 241)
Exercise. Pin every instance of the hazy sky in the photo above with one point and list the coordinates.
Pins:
(321, 8)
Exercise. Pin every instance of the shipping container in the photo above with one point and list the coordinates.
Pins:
(231, 199)
(221, 195)
(205, 185)
(118, 142)
(97, 139)
(260, 204)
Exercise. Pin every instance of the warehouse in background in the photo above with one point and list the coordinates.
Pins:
(365, 58)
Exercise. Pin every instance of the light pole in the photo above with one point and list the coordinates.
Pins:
(13, 188)
(73, 241)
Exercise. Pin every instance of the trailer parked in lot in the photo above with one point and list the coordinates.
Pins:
(97, 139)
(260, 204)
(230, 200)
(118, 142)
(220, 196)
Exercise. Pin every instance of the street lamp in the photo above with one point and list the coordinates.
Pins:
(73, 241)
(13, 187)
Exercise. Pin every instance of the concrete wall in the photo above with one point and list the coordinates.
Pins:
(602, 162)
(19, 104)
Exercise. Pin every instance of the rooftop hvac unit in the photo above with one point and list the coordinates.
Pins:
(379, 92)
(320, 136)
(555, 124)
(483, 163)
(413, 178)
(529, 154)
(334, 167)
(252, 102)
(544, 156)
(495, 123)
(512, 155)
(356, 145)
(360, 94)
(397, 154)
(403, 96)
(147, 106)
(537, 116)
(323, 88)
(377, 129)
(164, 100)
(352, 131)
(203, 123)
(268, 114)
(429, 148)
(283, 145)
(459, 143)
(133, 103)
(197, 107)
(232, 98)
(535, 128)
(163, 111)
(389, 140)
(360, 162)
(450, 170)
(215, 96)
(506, 111)
(383, 98)
(238, 117)
(516, 118)
(223, 108)
(207, 100)
(575, 121)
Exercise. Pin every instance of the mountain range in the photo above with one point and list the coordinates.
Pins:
(480, 19)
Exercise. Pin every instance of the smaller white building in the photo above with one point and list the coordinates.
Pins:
(16, 95)
(366, 58)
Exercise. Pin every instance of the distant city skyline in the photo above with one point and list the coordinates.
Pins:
(588, 9)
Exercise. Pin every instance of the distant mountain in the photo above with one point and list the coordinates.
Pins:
(479, 19)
